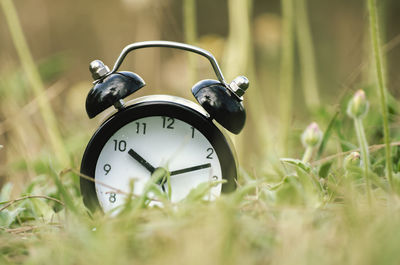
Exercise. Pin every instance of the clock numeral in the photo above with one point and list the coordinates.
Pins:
(210, 153)
(192, 131)
(113, 197)
(107, 168)
(138, 125)
(119, 145)
(168, 122)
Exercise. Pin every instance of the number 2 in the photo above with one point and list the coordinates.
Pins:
(210, 152)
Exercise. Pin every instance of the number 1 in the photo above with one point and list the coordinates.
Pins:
(192, 132)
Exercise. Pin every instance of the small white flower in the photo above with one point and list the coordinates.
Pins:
(353, 159)
(358, 105)
(312, 135)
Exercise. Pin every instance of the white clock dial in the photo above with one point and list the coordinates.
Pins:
(141, 146)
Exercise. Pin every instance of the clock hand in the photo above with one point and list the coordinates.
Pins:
(189, 169)
(141, 160)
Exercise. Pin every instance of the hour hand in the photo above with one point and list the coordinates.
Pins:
(141, 160)
(189, 169)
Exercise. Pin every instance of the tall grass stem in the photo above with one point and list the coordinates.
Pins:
(286, 73)
(190, 31)
(373, 22)
(35, 80)
(306, 56)
(362, 141)
(238, 59)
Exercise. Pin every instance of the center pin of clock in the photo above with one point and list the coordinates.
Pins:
(161, 174)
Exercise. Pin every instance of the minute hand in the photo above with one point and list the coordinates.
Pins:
(189, 169)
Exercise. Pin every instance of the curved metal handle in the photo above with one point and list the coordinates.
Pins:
(169, 44)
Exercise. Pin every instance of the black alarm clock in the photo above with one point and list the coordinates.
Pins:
(159, 133)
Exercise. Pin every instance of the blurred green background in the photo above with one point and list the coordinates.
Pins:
(301, 64)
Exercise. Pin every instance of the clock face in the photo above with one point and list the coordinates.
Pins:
(138, 148)
(151, 134)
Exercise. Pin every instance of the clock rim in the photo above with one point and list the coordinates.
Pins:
(157, 105)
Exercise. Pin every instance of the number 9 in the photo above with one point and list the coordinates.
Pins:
(107, 168)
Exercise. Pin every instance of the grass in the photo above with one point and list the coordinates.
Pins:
(327, 208)
(35, 80)
(190, 32)
(372, 9)
(306, 54)
(286, 74)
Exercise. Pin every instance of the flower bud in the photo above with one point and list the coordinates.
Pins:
(352, 160)
(358, 105)
(312, 135)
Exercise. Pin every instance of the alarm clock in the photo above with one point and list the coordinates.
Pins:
(159, 133)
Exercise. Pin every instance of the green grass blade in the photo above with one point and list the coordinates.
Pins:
(327, 135)
(373, 21)
(66, 197)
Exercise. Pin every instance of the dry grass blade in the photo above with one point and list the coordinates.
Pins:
(94, 180)
(29, 228)
(31, 108)
(118, 191)
(9, 203)
(35, 80)
(372, 148)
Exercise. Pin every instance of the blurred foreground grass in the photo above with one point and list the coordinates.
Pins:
(289, 223)
(330, 207)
